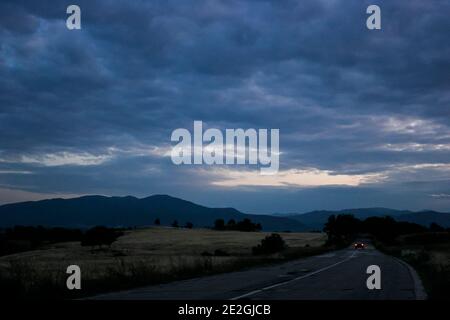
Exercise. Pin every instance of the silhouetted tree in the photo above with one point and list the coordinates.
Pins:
(175, 224)
(270, 244)
(341, 229)
(247, 225)
(219, 224)
(157, 222)
(386, 229)
(434, 227)
(231, 224)
(189, 225)
(244, 225)
(24, 238)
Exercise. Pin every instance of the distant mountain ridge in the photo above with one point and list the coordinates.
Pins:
(316, 219)
(128, 211)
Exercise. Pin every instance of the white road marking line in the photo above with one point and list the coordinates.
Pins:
(295, 279)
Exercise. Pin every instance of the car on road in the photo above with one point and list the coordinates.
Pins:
(359, 245)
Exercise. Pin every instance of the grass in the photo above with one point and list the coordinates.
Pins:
(142, 257)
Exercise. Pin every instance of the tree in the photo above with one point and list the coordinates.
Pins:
(175, 224)
(270, 244)
(219, 224)
(231, 224)
(157, 222)
(189, 225)
(247, 225)
(387, 230)
(342, 229)
(244, 225)
(434, 227)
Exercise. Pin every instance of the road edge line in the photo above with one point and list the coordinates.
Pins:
(419, 290)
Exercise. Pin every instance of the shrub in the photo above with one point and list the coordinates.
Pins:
(219, 224)
(270, 244)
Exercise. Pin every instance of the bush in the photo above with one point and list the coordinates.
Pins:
(439, 278)
(219, 224)
(270, 244)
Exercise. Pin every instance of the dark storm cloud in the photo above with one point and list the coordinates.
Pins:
(346, 99)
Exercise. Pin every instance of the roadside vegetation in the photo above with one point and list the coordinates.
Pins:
(426, 249)
(429, 254)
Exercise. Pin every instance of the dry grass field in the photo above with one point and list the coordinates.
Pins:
(145, 256)
(432, 261)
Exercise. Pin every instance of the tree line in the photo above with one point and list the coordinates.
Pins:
(220, 225)
(343, 228)
(244, 225)
(24, 238)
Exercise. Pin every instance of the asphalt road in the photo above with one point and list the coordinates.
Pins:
(338, 275)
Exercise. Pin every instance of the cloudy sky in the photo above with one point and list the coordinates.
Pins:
(364, 116)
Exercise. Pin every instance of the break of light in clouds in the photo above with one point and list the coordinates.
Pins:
(65, 158)
(292, 178)
(364, 116)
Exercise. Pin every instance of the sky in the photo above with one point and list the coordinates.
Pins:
(364, 115)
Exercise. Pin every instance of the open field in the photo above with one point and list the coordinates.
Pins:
(144, 256)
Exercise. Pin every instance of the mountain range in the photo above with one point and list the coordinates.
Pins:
(88, 211)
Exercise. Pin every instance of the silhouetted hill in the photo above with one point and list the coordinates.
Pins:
(427, 217)
(128, 211)
(316, 219)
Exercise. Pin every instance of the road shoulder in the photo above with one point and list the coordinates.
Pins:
(419, 290)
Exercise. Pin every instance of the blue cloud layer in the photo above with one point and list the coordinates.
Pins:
(346, 100)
